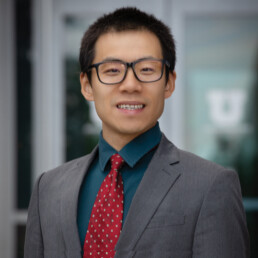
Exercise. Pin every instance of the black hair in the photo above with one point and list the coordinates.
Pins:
(124, 19)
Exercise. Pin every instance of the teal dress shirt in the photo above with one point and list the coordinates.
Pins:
(137, 155)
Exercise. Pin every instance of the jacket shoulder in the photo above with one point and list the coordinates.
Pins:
(63, 172)
(192, 164)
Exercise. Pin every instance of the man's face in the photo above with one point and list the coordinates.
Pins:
(131, 107)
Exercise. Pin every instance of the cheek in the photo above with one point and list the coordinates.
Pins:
(159, 103)
(102, 104)
(158, 98)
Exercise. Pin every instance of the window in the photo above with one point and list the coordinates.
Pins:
(82, 124)
(221, 61)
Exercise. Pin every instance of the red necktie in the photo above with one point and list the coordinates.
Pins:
(106, 216)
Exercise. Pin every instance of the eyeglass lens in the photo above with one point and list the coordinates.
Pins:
(145, 70)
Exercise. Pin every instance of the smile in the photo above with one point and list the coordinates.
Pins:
(130, 107)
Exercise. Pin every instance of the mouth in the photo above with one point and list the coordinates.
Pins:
(130, 107)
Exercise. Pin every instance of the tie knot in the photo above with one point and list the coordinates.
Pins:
(116, 161)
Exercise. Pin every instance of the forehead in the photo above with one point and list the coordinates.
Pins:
(127, 45)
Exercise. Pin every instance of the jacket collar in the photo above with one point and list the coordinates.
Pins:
(160, 176)
(69, 202)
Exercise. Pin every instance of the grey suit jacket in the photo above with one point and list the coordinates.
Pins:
(184, 207)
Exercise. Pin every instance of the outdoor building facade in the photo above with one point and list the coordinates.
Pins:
(44, 120)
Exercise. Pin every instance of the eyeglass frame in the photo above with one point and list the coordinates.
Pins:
(131, 65)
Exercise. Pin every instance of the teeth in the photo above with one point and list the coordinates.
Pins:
(130, 107)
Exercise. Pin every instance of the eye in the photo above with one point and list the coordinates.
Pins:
(111, 69)
(147, 69)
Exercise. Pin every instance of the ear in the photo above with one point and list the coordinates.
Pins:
(86, 88)
(170, 86)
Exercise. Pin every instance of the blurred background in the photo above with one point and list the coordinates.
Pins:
(44, 120)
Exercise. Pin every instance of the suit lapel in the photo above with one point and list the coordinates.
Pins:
(69, 203)
(158, 179)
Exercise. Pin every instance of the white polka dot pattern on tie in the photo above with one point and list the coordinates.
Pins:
(106, 216)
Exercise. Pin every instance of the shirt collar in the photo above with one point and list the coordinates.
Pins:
(133, 151)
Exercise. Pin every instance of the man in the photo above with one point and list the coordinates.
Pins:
(158, 201)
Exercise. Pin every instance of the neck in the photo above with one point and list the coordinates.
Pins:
(118, 141)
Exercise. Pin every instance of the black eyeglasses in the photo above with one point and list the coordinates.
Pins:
(145, 70)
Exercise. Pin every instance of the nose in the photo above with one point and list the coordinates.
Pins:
(130, 83)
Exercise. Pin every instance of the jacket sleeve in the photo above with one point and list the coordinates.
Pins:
(33, 239)
(221, 229)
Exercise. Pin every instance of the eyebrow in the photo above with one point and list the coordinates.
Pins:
(111, 59)
(120, 60)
